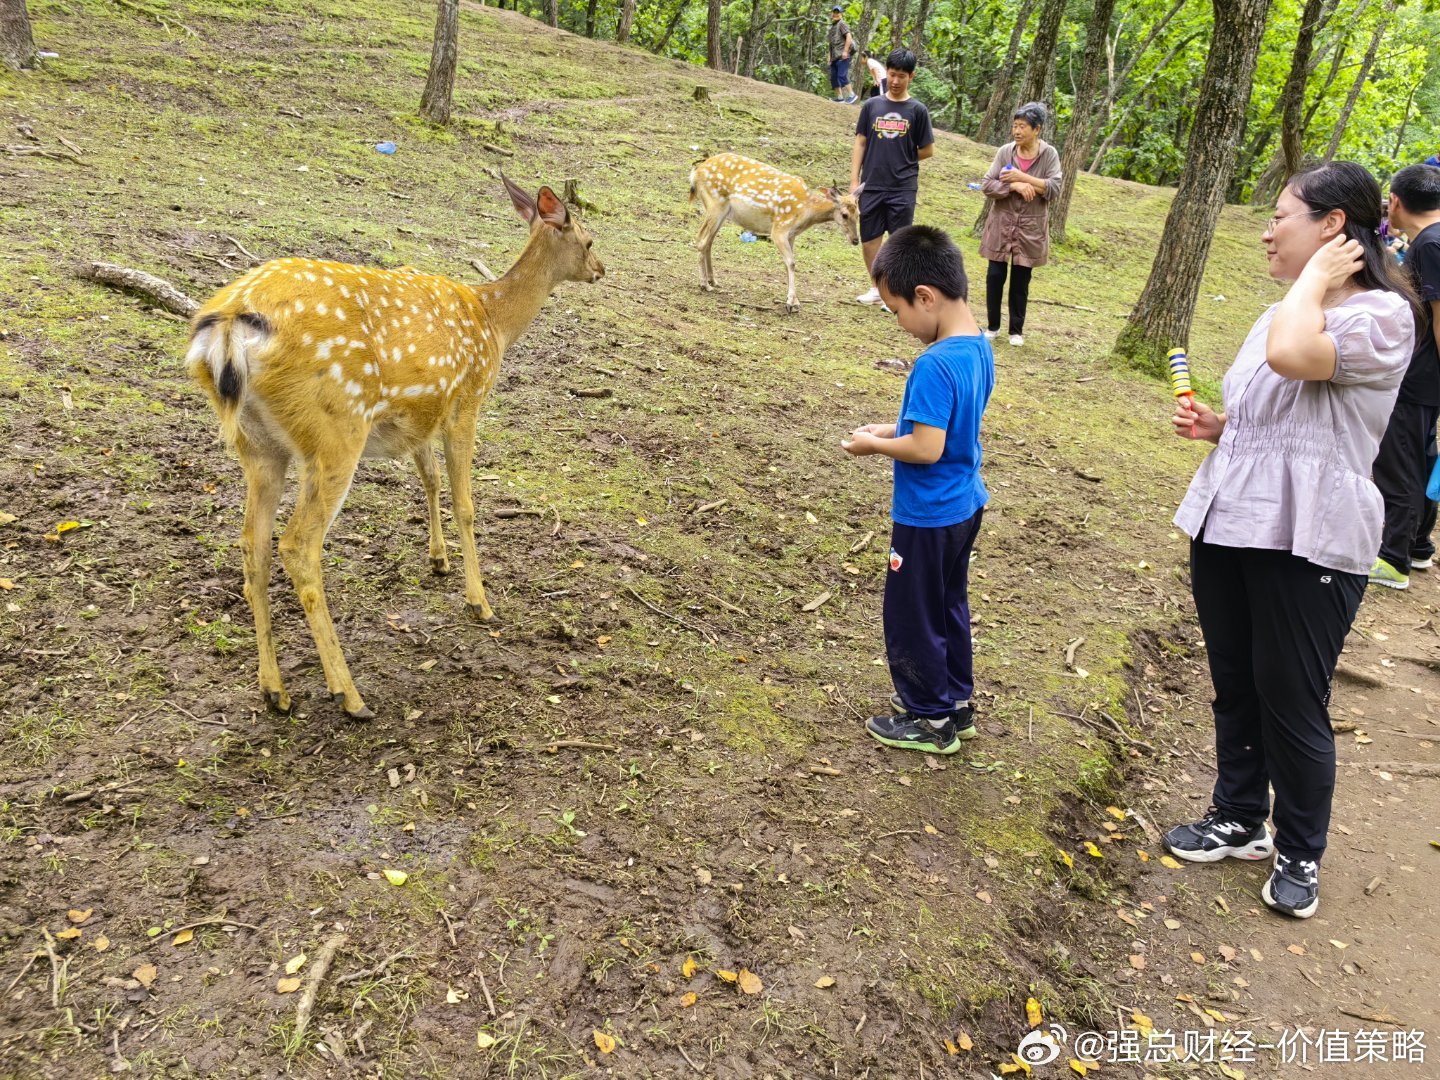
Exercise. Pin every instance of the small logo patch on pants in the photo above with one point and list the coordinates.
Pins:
(896, 560)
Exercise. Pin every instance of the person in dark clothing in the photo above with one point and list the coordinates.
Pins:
(841, 45)
(892, 136)
(1407, 453)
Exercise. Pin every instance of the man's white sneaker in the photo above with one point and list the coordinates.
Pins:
(871, 297)
(1017, 340)
(989, 334)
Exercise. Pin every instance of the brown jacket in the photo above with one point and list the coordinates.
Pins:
(1016, 230)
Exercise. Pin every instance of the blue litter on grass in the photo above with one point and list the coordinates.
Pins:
(748, 237)
(973, 186)
(385, 147)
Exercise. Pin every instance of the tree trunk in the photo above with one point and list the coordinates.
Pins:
(1081, 136)
(898, 10)
(864, 30)
(552, 13)
(713, 59)
(993, 124)
(675, 17)
(1359, 83)
(917, 32)
(1119, 124)
(754, 38)
(17, 43)
(626, 23)
(1161, 319)
(435, 102)
(1292, 97)
(1405, 118)
(590, 17)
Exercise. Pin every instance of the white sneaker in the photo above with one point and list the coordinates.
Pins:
(871, 297)
(1017, 340)
(989, 334)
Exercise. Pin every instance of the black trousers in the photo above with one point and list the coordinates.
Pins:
(927, 616)
(1274, 625)
(1019, 295)
(1402, 466)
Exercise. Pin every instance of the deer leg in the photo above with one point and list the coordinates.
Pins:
(323, 484)
(430, 478)
(459, 439)
(784, 242)
(265, 482)
(714, 218)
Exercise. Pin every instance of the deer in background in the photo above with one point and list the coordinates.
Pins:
(768, 202)
(322, 363)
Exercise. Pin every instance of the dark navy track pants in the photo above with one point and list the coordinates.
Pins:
(927, 616)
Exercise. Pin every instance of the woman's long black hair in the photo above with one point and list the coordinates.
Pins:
(1349, 188)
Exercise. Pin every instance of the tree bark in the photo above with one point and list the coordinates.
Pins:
(1292, 97)
(713, 58)
(1162, 317)
(754, 37)
(898, 10)
(1042, 52)
(590, 6)
(1081, 136)
(17, 43)
(1359, 84)
(917, 32)
(992, 125)
(675, 17)
(439, 93)
(626, 23)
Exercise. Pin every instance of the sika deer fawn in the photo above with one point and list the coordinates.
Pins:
(764, 200)
(323, 362)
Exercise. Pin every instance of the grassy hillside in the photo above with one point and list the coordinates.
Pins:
(742, 818)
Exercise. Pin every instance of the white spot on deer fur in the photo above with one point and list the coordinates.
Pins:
(323, 349)
(369, 369)
(337, 373)
(306, 338)
(396, 354)
(442, 382)
(309, 276)
(340, 314)
(329, 281)
(299, 307)
(411, 347)
(345, 291)
(353, 388)
(416, 390)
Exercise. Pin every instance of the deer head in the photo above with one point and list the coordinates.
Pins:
(847, 211)
(567, 244)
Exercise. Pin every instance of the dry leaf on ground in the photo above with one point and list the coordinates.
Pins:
(606, 1043)
(287, 986)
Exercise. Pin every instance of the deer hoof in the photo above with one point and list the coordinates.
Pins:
(278, 700)
(362, 713)
(792, 309)
(480, 612)
(440, 567)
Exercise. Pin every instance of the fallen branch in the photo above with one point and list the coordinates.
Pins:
(706, 634)
(1374, 1018)
(1070, 652)
(1355, 675)
(30, 150)
(578, 744)
(28, 963)
(514, 512)
(242, 249)
(485, 271)
(54, 968)
(378, 969)
(1402, 768)
(592, 392)
(157, 289)
(317, 974)
(169, 935)
(497, 149)
(861, 544)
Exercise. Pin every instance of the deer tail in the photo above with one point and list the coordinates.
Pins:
(222, 355)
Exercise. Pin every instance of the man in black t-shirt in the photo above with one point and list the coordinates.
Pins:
(892, 136)
(1407, 452)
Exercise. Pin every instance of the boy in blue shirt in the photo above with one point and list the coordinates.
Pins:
(939, 497)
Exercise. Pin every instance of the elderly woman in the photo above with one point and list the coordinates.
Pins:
(1024, 174)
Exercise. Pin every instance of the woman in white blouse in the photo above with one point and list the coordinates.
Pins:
(1285, 522)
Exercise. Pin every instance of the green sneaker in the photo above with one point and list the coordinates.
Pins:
(1382, 573)
(964, 718)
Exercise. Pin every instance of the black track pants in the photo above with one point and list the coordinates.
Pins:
(1274, 625)
(1401, 469)
(1019, 295)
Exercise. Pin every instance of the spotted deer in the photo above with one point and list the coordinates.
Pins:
(768, 202)
(322, 363)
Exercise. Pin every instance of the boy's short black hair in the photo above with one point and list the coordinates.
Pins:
(900, 60)
(1418, 188)
(921, 255)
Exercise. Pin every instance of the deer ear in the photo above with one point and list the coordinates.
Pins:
(552, 210)
(523, 203)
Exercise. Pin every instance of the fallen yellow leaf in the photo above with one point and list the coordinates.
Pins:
(484, 1040)
(749, 982)
(1033, 1015)
(1143, 1022)
(1093, 851)
(295, 963)
(1065, 858)
(6, 584)
(1142, 854)
(686, 1000)
(689, 968)
(1166, 860)
(1115, 812)
(101, 943)
(824, 981)
(606, 1043)
(1232, 1074)
(726, 976)
(951, 1048)
(287, 986)
(75, 915)
(396, 877)
(932, 830)
(1020, 1063)
(1076, 1066)
(68, 933)
(183, 937)
(67, 526)
(964, 1041)
(144, 975)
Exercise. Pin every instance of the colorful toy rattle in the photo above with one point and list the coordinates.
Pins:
(1180, 374)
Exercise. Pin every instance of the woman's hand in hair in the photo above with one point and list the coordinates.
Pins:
(1336, 262)
(1196, 420)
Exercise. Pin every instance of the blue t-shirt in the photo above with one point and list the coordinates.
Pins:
(948, 388)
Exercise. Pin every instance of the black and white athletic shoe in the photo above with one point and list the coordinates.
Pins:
(964, 717)
(1293, 888)
(1216, 836)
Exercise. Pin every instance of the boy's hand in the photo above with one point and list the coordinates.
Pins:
(883, 431)
(862, 443)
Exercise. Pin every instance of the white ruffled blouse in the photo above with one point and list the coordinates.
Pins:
(1292, 469)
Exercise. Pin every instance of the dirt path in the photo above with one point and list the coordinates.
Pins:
(1364, 966)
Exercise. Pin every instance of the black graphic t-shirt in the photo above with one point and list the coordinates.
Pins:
(1422, 377)
(895, 133)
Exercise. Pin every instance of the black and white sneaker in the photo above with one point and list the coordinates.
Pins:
(906, 732)
(1294, 887)
(964, 717)
(1216, 836)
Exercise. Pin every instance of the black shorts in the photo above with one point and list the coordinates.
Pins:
(883, 212)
